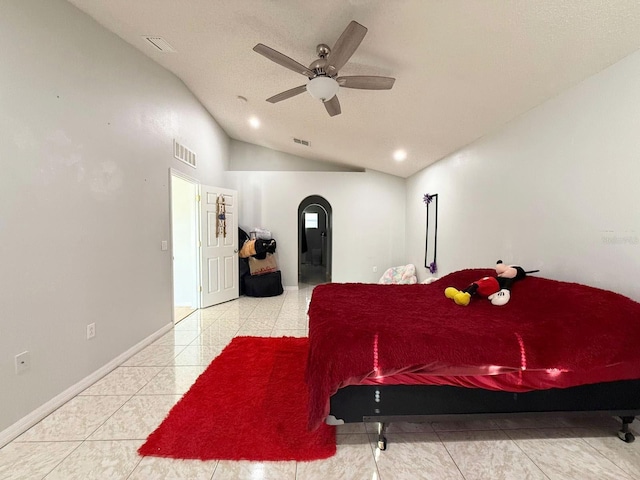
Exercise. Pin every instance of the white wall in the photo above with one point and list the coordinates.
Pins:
(245, 156)
(86, 128)
(368, 217)
(557, 189)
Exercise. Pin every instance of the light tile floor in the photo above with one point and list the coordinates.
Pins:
(96, 434)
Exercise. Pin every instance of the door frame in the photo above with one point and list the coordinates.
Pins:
(323, 203)
(183, 176)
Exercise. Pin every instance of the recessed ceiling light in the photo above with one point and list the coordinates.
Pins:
(399, 155)
(254, 122)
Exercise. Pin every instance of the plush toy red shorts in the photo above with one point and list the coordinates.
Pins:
(487, 286)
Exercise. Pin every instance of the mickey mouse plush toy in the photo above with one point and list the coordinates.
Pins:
(497, 289)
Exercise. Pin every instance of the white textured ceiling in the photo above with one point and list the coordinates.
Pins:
(463, 68)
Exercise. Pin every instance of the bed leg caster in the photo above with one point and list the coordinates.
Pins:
(382, 440)
(624, 434)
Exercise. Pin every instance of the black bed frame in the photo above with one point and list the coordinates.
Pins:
(425, 403)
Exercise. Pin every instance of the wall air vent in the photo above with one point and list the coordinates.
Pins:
(183, 153)
(302, 142)
(160, 44)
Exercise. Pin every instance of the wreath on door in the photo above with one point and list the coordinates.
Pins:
(221, 217)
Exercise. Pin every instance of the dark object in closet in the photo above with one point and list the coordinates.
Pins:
(263, 247)
(267, 285)
(257, 248)
(243, 263)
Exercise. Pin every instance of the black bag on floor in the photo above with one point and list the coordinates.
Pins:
(267, 285)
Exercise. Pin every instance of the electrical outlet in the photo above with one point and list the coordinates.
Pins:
(91, 330)
(375, 269)
(23, 362)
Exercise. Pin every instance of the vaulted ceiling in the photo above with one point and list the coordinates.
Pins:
(463, 68)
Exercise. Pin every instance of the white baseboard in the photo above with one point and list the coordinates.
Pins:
(28, 421)
(291, 287)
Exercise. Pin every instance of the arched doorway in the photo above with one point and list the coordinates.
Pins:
(314, 240)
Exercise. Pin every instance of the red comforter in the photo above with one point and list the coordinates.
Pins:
(362, 330)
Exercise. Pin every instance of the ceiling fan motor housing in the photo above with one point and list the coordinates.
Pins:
(319, 67)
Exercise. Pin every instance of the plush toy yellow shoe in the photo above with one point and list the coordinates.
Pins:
(460, 298)
(451, 292)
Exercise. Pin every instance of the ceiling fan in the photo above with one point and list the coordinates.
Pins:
(324, 81)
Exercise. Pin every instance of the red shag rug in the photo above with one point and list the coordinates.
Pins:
(251, 403)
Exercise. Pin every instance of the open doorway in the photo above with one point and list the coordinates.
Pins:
(314, 241)
(184, 232)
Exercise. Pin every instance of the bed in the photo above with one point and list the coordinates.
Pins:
(405, 352)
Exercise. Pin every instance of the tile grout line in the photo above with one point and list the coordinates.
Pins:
(449, 453)
(506, 432)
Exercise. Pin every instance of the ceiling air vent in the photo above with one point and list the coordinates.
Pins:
(302, 142)
(160, 44)
(183, 153)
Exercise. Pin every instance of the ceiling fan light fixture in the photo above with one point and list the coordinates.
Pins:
(323, 88)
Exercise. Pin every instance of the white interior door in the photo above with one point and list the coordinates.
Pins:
(219, 253)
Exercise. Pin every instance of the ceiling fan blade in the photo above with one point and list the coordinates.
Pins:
(282, 59)
(333, 106)
(366, 82)
(288, 94)
(347, 44)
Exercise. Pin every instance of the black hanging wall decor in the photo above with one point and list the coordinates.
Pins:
(431, 238)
